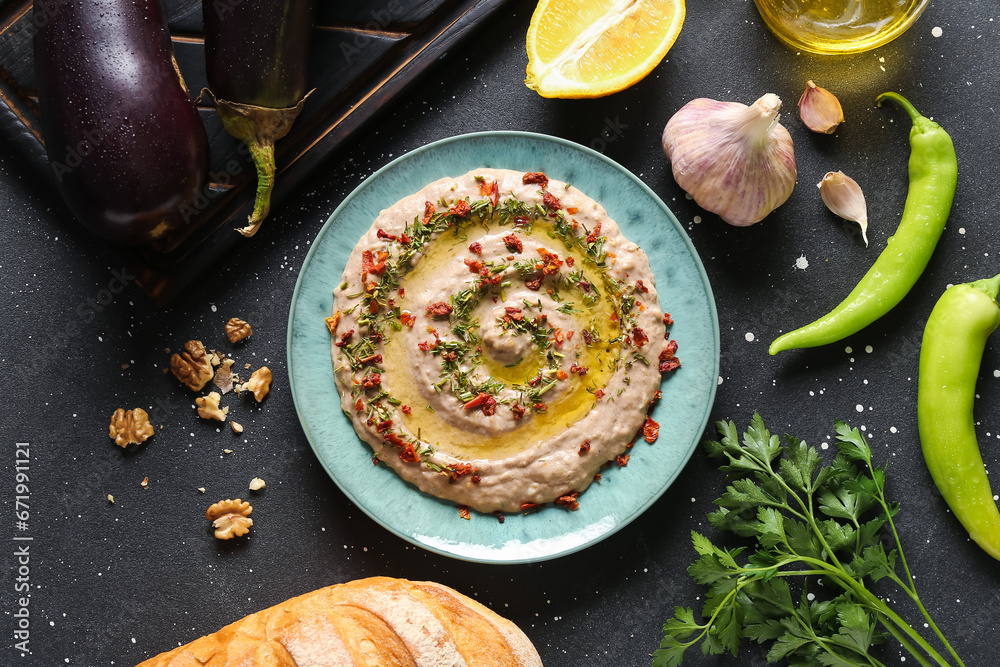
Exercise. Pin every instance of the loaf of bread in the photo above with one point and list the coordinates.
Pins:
(376, 622)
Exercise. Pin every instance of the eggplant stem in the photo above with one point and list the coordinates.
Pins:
(259, 128)
(263, 159)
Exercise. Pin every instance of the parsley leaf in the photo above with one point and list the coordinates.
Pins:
(817, 529)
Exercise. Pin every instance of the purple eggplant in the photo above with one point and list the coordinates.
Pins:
(123, 137)
(255, 56)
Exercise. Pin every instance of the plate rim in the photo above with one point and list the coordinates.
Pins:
(539, 137)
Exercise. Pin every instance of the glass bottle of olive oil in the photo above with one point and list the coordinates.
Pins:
(838, 26)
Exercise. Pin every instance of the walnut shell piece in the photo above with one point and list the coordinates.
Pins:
(237, 330)
(208, 407)
(130, 428)
(259, 383)
(193, 366)
(231, 518)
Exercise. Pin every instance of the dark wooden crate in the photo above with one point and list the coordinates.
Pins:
(364, 53)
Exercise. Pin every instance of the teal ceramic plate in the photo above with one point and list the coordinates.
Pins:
(624, 493)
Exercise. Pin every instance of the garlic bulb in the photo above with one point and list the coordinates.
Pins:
(820, 109)
(735, 160)
(843, 196)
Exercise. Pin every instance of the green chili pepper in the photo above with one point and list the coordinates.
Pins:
(933, 174)
(950, 355)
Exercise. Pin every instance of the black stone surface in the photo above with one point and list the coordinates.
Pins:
(116, 584)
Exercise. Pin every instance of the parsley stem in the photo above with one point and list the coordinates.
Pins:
(903, 641)
(871, 601)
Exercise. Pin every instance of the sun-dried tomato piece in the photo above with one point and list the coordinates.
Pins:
(592, 236)
(383, 426)
(518, 411)
(571, 210)
(406, 409)
(408, 454)
(333, 321)
(439, 310)
(371, 381)
(460, 209)
(639, 337)
(551, 262)
(359, 405)
(585, 447)
(525, 507)
(476, 247)
(650, 430)
(588, 337)
(475, 265)
(372, 262)
(371, 359)
(521, 220)
(570, 261)
(561, 374)
(499, 515)
(476, 402)
(463, 512)
(457, 470)
(345, 338)
(551, 202)
(394, 440)
(429, 209)
(382, 234)
(375, 460)
(490, 191)
(535, 177)
(513, 243)
(669, 362)
(407, 318)
(487, 278)
(513, 313)
(578, 369)
(622, 460)
(667, 320)
(534, 284)
(557, 337)
(641, 287)
(404, 239)
(490, 406)
(569, 501)
(540, 407)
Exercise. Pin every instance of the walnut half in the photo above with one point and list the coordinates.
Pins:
(130, 428)
(193, 366)
(237, 330)
(259, 383)
(231, 518)
(208, 407)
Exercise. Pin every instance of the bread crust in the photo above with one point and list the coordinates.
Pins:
(374, 622)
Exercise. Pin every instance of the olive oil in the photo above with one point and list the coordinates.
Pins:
(563, 408)
(832, 27)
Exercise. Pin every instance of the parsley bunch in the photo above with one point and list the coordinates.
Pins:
(816, 526)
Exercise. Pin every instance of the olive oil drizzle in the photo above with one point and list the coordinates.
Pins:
(530, 378)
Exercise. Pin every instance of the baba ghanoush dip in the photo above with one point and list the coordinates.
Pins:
(497, 340)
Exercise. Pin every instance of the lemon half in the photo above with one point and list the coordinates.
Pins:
(592, 48)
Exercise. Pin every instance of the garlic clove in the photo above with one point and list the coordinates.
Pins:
(820, 109)
(735, 160)
(843, 196)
